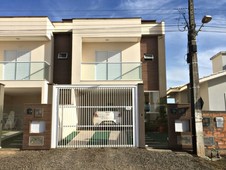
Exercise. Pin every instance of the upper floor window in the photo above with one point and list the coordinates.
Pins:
(108, 65)
(16, 65)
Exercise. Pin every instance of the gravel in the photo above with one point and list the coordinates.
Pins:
(104, 158)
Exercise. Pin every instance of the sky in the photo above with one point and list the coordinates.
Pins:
(210, 40)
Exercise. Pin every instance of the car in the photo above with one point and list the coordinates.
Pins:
(106, 118)
(108, 122)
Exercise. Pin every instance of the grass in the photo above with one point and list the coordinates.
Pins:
(99, 138)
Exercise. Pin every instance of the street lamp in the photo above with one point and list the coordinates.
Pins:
(196, 100)
(206, 19)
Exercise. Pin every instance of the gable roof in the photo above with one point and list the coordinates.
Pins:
(201, 80)
(218, 54)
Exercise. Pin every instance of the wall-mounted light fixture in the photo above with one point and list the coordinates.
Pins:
(148, 56)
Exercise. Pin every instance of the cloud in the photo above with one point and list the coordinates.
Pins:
(213, 4)
(147, 8)
(209, 44)
(205, 64)
(142, 4)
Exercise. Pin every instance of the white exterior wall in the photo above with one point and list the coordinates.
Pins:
(205, 95)
(40, 51)
(217, 88)
(76, 59)
(217, 64)
(223, 61)
(153, 28)
(100, 28)
(130, 52)
(25, 28)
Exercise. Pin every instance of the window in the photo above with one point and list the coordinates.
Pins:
(17, 65)
(108, 65)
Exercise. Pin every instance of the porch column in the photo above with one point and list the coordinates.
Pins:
(76, 59)
(44, 93)
(1, 110)
(162, 66)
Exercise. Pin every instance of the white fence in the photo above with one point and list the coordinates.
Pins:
(94, 116)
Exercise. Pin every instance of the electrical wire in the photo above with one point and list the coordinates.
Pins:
(170, 16)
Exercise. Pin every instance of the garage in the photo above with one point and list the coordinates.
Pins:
(94, 116)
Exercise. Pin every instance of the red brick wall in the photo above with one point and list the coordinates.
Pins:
(219, 134)
(32, 116)
(215, 137)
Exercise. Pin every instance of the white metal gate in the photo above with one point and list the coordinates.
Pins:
(95, 116)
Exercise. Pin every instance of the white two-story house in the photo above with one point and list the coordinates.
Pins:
(36, 53)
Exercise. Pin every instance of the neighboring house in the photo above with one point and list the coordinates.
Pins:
(212, 87)
(25, 62)
(36, 53)
(213, 93)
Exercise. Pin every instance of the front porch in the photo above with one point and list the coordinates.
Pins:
(16, 94)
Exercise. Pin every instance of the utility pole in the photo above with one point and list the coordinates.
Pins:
(196, 101)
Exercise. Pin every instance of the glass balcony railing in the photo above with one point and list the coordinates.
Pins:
(24, 70)
(111, 71)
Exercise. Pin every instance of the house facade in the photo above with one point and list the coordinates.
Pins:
(36, 53)
(212, 87)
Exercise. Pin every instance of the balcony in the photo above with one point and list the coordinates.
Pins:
(111, 71)
(24, 70)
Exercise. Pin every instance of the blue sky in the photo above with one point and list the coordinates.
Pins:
(211, 39)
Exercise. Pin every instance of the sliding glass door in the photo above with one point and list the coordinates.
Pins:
(17, 65)
(108, 65)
